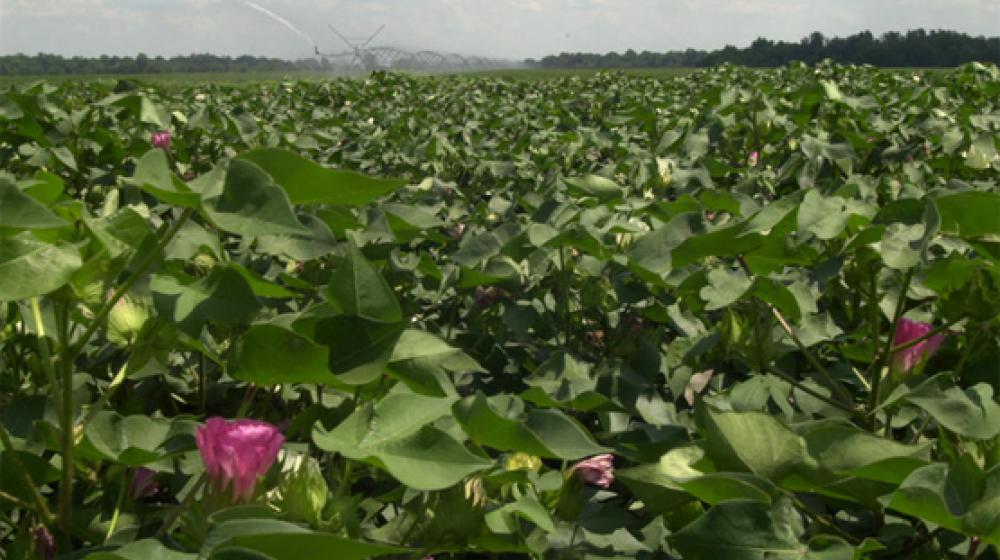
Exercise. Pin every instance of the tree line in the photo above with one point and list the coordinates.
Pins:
(937, 48)
(51, 64)
(915, 48)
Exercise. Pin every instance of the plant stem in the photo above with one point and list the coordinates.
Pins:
(97, 407)
(168, 233)
(823, 520)
(879, 363)
(177, 511)
(798, 385)
(36, 496)
(118, 508)
(835, 385)
(69, 355)
(46, 355)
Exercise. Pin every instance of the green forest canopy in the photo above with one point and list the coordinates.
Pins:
(915, 48)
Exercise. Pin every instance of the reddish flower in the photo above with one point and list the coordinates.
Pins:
(238, 453)
(754, 156)
(161, 139)
(486, 297)
(143, 483)
(906, 360)
(598, 470)
(45, 543)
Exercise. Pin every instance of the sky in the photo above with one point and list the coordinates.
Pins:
(511, 29)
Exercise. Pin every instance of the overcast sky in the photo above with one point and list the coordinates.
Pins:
(500, 28)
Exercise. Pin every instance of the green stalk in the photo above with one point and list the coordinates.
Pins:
(40, 506)
(97, 407)
(46, 355)
(167, 235)
(118, 507)
(177, 511)
(798, 385)
(69, 358)
(835, 385)
(879, 363)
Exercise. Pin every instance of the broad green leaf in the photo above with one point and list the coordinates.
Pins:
(545, 433)
(750, 530)
(146, 549)
(601, 188)
(724, 287)
(970, 214)
(972, 413)
(20, 211)
(153, 175)
(294, 546)
(271, 353)
(753, 442)
(424, 361)
(136, 440)
(30, 268)
(358, 290)
(223, 296)
(309, 183)
(241, 198)
(395, 434)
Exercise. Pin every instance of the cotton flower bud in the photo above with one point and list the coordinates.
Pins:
(753, 158)
(304, 492)
(126, 319)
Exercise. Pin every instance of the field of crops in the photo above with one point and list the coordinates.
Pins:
(731, 314)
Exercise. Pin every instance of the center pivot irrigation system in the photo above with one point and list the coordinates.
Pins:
(361, 56)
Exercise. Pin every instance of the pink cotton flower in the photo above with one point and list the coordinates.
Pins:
(754, 156)
(238, 453)
(143, 484)
(161, 139)
(598, 470)
(906, 360)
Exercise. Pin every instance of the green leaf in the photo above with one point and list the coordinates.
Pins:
(20, 211)
(971, 413)
(358, 290)
(272, 353)
(724, 287)
(120, 233)
(601, 188)
(545, 433)
(153, 175)
(423, 361)
(136, 440)
(940, 494)
(970, 214)
(223, 296)
(309, 183)
(239, 197)
(30, 268)
(750, 530)
(146, 549)
(295, 546)
(395, 434)
(753, 442)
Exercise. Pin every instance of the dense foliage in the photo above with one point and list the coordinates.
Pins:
(737, 314)
(915, 48)
(43, 64)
